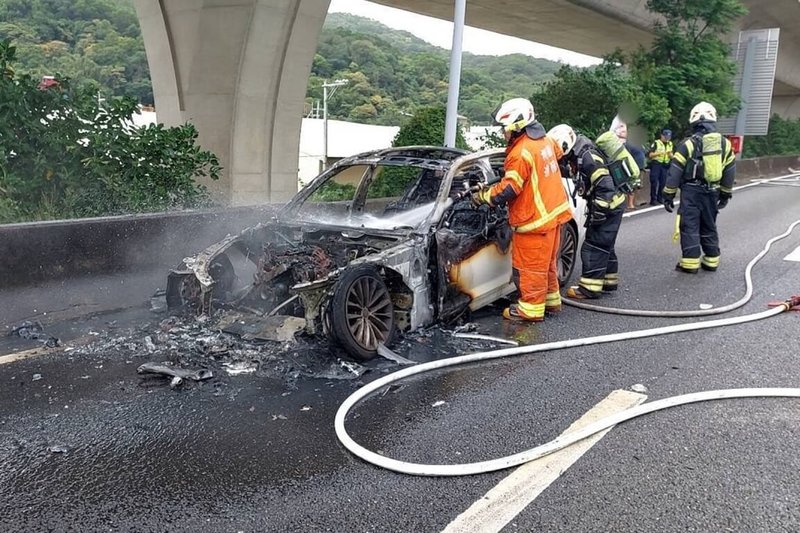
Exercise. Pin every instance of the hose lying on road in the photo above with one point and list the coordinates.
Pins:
(562, 442)
(694, 312)
(566, 440)
(703, 312)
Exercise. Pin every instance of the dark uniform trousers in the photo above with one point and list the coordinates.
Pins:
(698, 227)
(658, 178)
(600, 266)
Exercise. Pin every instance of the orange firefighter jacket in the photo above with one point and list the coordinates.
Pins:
(532, 185)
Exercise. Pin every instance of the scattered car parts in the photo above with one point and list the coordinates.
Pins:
(381, 243)
(178, 375)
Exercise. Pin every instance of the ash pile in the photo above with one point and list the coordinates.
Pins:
(191, 350)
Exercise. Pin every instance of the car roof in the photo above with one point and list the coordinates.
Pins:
(430, 156)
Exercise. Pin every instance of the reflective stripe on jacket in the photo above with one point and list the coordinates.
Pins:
(683, 154)
(531, 170)
(600, 189)
(664, 149)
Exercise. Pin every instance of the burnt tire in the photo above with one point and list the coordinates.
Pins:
(361, 313)
(567, 253)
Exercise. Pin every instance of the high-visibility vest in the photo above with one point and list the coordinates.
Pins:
(664, 148)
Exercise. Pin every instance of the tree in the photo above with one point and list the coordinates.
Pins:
(407, 73)
(588, 99)
(97, 40)
(783, 139)
(63, 154)
(427, 127)
(688, 61)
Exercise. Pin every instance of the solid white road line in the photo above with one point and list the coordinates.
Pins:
(506, 500)
(767, 181)
(25, 354)
(794, 256)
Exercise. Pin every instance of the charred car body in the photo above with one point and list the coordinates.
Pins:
(381, 243)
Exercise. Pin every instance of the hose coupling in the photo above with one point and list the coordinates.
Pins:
(791, 304)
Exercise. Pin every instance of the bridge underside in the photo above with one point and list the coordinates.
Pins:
(597, 27)
(238, 69)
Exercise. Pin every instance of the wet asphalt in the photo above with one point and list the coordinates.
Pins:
(89, 445)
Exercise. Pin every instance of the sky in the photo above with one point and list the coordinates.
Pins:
(440, 33)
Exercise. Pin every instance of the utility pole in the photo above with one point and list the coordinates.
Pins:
(451, 120)
(325, 86)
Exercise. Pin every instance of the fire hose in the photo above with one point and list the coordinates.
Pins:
(702, 312)
(563, 441)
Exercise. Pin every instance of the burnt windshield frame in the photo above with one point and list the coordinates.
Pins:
(421, 157)
(434, 155)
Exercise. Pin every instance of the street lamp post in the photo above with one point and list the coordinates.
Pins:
(451, 120)
(325, 86)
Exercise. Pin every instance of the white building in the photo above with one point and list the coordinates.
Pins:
(344, 139)
(475, 136)
(144, 118)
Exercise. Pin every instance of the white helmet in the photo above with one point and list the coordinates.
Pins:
(513, 115)
(619, 128)
(564, 136)
(703, 111)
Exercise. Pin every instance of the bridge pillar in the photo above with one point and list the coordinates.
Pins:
(786, 106)
(237, 70)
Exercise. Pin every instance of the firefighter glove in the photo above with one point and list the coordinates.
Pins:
(669, 202)
(480, 196)
(477, 201)
(723, 200)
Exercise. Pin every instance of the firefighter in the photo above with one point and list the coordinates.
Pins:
(537, 207)
(660, 156)
(605, 204)
(703, 168)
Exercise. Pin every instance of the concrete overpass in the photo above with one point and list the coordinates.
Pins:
(238, 69)
(593, 27)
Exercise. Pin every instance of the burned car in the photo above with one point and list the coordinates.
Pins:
(381, 243)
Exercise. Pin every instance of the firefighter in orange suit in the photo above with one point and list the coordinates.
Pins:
(537, 207)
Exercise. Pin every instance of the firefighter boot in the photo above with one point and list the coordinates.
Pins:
(577, 292)
(512, 312)
(552, 304)
(709, 264)
(689, 265)
(680, 268)
(611, 282)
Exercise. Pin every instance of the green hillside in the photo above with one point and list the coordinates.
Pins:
(392, 73)
(95, 41)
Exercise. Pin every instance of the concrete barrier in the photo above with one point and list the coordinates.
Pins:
(765, 167)
(746, 169)
(39, 251)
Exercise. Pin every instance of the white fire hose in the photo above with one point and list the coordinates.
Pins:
(702, 312)
(571, 438)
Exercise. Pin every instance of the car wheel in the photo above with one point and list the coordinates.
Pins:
(567, 253)
(362, 313)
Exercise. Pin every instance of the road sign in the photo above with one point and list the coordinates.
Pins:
(756, 54)
(737, 141)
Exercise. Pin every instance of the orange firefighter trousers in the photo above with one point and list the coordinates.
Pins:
(534, 256)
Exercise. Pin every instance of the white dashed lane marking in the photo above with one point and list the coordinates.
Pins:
(794, 256)
(514, 493)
